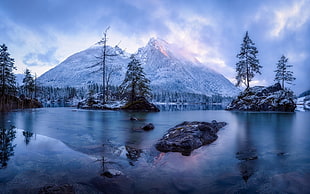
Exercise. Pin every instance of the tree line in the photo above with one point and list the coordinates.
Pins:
(135, 83)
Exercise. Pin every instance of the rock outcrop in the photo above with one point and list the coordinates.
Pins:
(140, 104)
(259, 98)
(188, 136)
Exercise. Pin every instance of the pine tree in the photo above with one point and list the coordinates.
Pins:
(29, 84)
(7, 77)
(282, 74)
(135, 83)
(248, 64)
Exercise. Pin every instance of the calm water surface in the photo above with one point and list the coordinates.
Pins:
(254, 153)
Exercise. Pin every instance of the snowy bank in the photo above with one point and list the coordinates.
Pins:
(303, 103)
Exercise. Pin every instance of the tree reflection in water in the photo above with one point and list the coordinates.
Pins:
(6, 147)
(28, 135)
(247, 152)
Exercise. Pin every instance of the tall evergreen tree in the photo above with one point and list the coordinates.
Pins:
(135, 83)
(7, 77)
(29, 84)
(282, 74)
(248, 64)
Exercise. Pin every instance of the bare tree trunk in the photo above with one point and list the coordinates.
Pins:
(103, 67)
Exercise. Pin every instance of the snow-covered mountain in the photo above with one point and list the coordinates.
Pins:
(19, 79)
(169, 69)
(173, 69)
(84, 68)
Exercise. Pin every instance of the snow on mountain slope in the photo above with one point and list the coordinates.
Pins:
(171, 68)
(168, 67)
(84, 68)
(19, 79)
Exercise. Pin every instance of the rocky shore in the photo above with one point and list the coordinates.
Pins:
(260, 98)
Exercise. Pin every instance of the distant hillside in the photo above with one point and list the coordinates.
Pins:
(305, 93)
(19, 79)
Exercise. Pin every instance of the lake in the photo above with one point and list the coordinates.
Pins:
(68, 146)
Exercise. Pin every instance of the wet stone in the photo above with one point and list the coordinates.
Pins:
(187, 136)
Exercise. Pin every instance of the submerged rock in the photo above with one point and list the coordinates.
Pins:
(141, 104)
(66, 188)
(133, 119)
(188, 136)
(148, 127)
(247, 155)
(247, 164)
(133, 153)
(110, 173)
(259, 98)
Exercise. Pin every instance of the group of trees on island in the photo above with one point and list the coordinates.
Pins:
(248, 65)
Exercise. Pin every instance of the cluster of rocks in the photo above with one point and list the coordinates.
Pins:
(260, 98)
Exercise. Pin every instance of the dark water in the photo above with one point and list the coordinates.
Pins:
(254, 153)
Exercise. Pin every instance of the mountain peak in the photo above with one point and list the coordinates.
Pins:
(160, 45)
(172, 50)
(157, 42)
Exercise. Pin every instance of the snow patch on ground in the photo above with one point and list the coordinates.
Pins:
(303, 103)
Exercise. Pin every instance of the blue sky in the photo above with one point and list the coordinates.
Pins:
(42, 33)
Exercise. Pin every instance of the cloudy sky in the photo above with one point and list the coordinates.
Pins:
(42, 33)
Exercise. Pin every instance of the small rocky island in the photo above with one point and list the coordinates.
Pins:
(139, 104)
(260, 98)
(187, 136)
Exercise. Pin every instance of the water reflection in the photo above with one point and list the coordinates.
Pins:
(6, 146)
(256, 152)
(264, 138)
(28, 135)
(282, 126)
(247, 152)
(185, 107)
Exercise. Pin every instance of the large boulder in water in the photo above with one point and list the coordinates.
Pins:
(260, 98)
(140, 104)
(188, 136)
